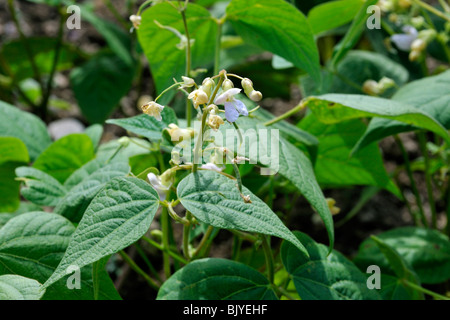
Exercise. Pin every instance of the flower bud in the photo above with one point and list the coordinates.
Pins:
(371, 87)
(198, 97)
(227, 85)
(247, 85)
(207, 85)
(414, 55)
(255, 95)
(124, 141)
(187, 82)
(136, 20)
(418, 45)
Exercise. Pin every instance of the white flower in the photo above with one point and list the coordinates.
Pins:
(162, 187)
(187, 82)
(178, 134)
(211, 166)
(233, 107)
(153, 109)
(198, 97)
(404, 40)
(215, 121)
(136, 20)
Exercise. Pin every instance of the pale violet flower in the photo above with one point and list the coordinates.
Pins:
(162, 187)
(404, 40)
(233, 107)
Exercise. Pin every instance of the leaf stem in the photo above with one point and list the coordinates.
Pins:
(188, 62)
(165, 241)
(423, 147)
(269, 258)
(287, 114)
(138, 270)
(186, 232)
(218, 46)
(432, 9)
(202, 243)
(160, 247)
(426, 291)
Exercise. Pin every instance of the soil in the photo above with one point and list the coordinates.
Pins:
(383, 212)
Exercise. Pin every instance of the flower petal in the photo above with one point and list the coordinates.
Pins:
(230, 112)
(227, 95)
(240, 107)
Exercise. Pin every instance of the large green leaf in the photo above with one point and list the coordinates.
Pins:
(65, 155)
(426, 251)
(281, 157)
(278, 27)
(215, 200)
(24, 207)
(334, 167)
(78, 198)
(395, 288)
(333, 108)
(216, 279)
(332, 14)
(117, 217)
(429, 94)
(25, 126)
(147, 126)
(324, 276)
(32, 244)
(13, 153)
(100, 83)
(160, 45)
(14, 287)
(40, 188)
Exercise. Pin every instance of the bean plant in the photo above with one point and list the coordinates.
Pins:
(206, 156)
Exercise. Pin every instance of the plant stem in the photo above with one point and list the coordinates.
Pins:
(141, 252)
(186, 231)
(284, 292)
(423, 147)
(165, 241)
(138, 270)
(433, 10)
(203, 241)
(287, 114)
(169, 252)
(445, 6)
(426, 291)
(269, 258)
(188, 63)
(411, 179)
(56, 54)
(218, 46)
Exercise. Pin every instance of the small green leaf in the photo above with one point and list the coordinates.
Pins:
(147, 126)
(65, 155)
(332, 14)
(100, 83)
(117, 217)
(40, 188)
(333, 108)
(20, 254)
(95, 132)
(216, 279)
(14, 287)
(215, 200)
(426, 251)
(324, 275)
(160, 45)
(25, 126)
(278, 27)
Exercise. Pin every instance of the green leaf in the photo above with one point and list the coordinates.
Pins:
(14, 287)
(32, 244)
(147, 126)
(434, 100)
(402, 271)
(280, 156)
(334, 167)
(160, 45)
(215, 200)
(24, 207)
(40, 188)
(426, 251)
(333, 108)
(13, 153)
(16, 58)
(25, 126)
(95, 132)
(216, 279)
(100, 83)
(78, 198)
(332, 14)
(117, 217)
(65, 155)
(324, 276)
(278, 27)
